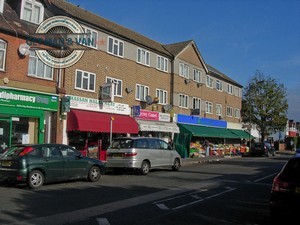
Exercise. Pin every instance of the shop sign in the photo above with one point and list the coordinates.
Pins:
(164, 117)
(28, 100)
(136, 110)
(148, 115)
(91, 104)
(197, 120)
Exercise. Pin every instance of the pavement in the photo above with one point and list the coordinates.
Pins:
(215, 158)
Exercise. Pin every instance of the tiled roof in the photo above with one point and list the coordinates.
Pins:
(176, 48)
(108, 26)
(221, 75)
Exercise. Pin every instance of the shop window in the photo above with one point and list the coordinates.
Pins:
(162, 96)
(209, 107)
(1, 6)
(143, 57)
(162, 63)
(118, 85)
(32, 11)
(184, 70)
(85, 80)
(3, 46)
(141, 92)
(115, 47)
(38, 69)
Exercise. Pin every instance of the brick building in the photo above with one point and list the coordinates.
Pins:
(164, 83)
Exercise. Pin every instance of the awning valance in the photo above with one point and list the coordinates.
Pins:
(81, 120)
(157, 126)
(241, 133)
(203, 131)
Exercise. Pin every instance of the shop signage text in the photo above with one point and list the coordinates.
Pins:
(95, 105)
(197, 120)
(29, 100)
(155, 116)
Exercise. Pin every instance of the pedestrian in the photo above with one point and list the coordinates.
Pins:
(171, 143)
(206, 146)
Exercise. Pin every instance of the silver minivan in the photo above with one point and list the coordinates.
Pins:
(141, 153)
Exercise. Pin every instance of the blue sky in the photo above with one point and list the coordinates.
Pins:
(236, 37)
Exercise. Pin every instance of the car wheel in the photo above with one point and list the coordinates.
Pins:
(145, 168)
(176, 165)
(35, 179)
(94, 174)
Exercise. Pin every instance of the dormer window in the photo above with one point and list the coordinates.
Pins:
(1, 6)
(32, 11)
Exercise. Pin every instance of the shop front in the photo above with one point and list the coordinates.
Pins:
(155, 124)
(26, 116)
(195, 132)
(92, 124)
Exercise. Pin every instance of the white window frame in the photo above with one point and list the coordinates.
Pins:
(197, 103)
(85, 75)
(198, 73)
(162, 96)
(183, 101)
(230, 89)
(117, 47)
(184, 70)
(141, 91)
(209, 81)
(219, 85)
(218, 109)
(118, 85)
(92, 32)
(237, 113)
(34, 4)
(162, 63)
(143, 56)
(236, 91)
(38, 62)
(4, 50)
(1, 6)
(229, 111)
(208, 107)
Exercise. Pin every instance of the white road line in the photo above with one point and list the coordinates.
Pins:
(162, 206)
(271, 175)
(77, 215)
(218, 194)
(169, 199)
(185, 205)
(102, 221)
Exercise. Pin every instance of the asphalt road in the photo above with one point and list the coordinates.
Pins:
(231, 191)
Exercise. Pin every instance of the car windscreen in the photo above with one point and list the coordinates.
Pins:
(121, 144)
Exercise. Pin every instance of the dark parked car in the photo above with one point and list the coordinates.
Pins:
(37, 164)
(285, 193)
(262, 149)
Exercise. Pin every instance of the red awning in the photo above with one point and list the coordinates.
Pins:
(81, 120)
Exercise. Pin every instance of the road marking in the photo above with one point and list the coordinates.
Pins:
(102, 221)
(162, 206)
(81, 214)
(271, 175)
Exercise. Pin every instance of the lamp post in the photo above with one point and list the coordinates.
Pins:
(111, 127)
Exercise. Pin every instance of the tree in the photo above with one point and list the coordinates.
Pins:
(264, 104)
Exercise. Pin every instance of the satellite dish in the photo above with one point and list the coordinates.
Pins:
(24, 49)
(167, 107)
(148, 100)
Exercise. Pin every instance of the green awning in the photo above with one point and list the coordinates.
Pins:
(202, 131)
(241, 133)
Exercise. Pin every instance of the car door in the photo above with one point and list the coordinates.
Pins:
(74, 166)
(166, 153)
(53, 162)
(154, 151)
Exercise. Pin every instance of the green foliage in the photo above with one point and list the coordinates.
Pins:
(264, 104)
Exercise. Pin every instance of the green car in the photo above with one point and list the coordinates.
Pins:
(37, 164)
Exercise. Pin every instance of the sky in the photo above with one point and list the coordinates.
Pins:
(237, 37)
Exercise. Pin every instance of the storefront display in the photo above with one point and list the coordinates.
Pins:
(25, 116)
